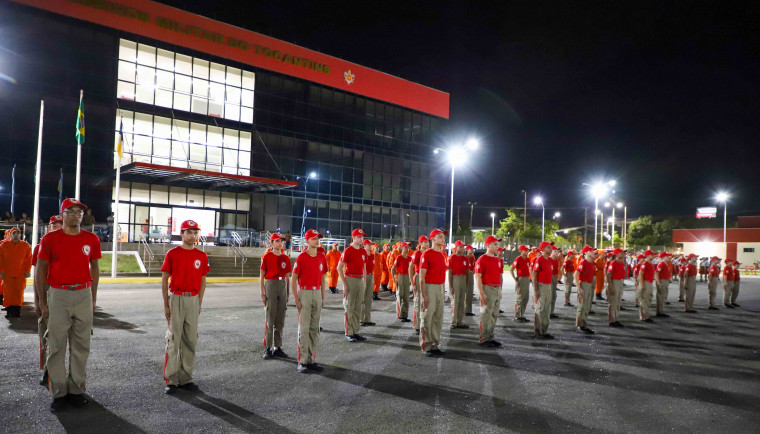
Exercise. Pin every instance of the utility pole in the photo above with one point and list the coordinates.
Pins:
(525, 210)
(585, 225)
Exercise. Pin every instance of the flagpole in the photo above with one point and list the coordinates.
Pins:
(115, 240)
(13, 190)
(79, 152)
(37, 176)
(60, 189)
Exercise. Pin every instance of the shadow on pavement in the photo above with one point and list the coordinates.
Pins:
(27, 323)
(94, 418)
(105, 320)
(235, 415)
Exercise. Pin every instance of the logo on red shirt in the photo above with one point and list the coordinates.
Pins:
(282, 264)
(86, 249)
(197, 264)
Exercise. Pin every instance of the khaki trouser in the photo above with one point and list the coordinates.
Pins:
(735, 290)
(432, 317)
(645, 300)
(554, 293)
(181, 339)
(522, 295)
(712, 289)
(277, 301)
(614, 294)
(542, 295)
(42, 331)
(681, 286)
(662, 294)
(368, 293)
(352, 304)
(70, 320)
(416, 322)
(458, 299)
(568, 286)
(585, 295)
(308, 324)
(402, 295)
(469, 292)
(728, 289)
(690, 291)
(489, 312)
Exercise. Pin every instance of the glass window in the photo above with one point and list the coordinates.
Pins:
(194, 197)
(231, 138)
(212, 199)
(125, 90)
(217, 72)
(200, 68)
(165, 60)
(228, 200)
(216, 100)
(248, 80)
(127, 71)
(140, 192)
(233, 76)
(200, 96)
(177, 196)
(127, 50)
(243, 202)
(159, 194)
(146, 55)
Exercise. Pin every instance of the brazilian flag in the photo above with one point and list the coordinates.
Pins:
(80, 124)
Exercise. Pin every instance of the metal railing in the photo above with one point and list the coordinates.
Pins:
(147, 256)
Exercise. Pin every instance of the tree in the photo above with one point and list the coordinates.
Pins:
(512, 225)
(641, 232)
(478, 237)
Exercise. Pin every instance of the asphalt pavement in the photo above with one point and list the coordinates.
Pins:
(688, 373)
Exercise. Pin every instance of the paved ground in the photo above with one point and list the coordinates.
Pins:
(689, 373)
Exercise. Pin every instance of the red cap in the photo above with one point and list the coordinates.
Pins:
(276, 236)
(570, 252)
(459, 243)
(715, 258)
(12, 230)
(649, 252)
(357, 233)
(189, 224)
(586, 250)
(366, 241)
(69, 202)
(544, 245)
(468, 247)
(640, 257)
(523, 248)
(692, 255)
(501, 249)
(664, 254)
(435, 232)
(618, 250)
(404, 244)
(422, 239)
(554, 247)
(728, 261)
(492, 239)
(56, 219)
(737, 263)
(312, 233)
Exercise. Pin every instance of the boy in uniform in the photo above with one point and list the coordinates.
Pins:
(432, 286)
(369, 283)
(543, 271)
(713, 277)
(662, 280)
(423, 243)
(488, 278)
(458, 284)
(400, 273)
(521, 274)
(352, 270)
(584, 281)
(273, 282)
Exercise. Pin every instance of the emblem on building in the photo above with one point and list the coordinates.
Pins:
(349, 77)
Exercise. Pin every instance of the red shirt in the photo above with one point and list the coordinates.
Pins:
(544, 268)
(186, 267)
(737, 275)
(664, 271)
(569, 266)
(522, 267)
(471, 263)
(490, 269)
(402, 264)
(310, 269)
(555, 264)
(69, 256)
(586, 271)
(435, 265)
(275, 266)
(616, 270)
(35, 252)
(355, 260)
(690, 270)
(715, 270)
(681, 269)
(458, 264)
(728, 273)
(370, 264)
(416, 260)
(647, 268)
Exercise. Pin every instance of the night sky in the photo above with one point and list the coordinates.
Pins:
(663, 97)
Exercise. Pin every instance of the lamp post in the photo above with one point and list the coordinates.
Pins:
(493, 220)
(457, 155)
(305, 179)
(723, 197)
(525, 210)
(598, 189)
(538, 201)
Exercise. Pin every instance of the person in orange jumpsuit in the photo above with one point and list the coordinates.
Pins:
(600, 267)
(532, 255)
(16, 260)
(395, 253)
(6, 238)
(377, 271)
(386, 269)
(333, 257)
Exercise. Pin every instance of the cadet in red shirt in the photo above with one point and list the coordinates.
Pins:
(470, 280)
(184, 275)
(662, 280)
(402, 282)
(273, 278)
(423, 243)
(543, 270)
(728, 283)
(646, 285)
(458, 264)
(68, 262)
(615, 275)
(369, 283)
(713, 277)
(432, 286)
(521, 274)
(555, 258)
(690, 287)
(352, 270)
(584, 280)
(737, 279)
(309, 285)
(569, 268)
(488, 272)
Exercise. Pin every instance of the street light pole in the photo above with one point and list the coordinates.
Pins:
(596, 218)
(539, 201)
(625, 227)
(451, 216)
(723, 197)
(303, 215)
(525, 210)
(493, 217)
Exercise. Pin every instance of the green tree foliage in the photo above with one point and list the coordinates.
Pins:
(512, 226)
(478, 237)
(650, 231)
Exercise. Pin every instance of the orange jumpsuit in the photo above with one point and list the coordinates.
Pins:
(377, 271)
(333, 257)
(600, 268)
(391, 260)
(531, 256)
(16, 260)
(386, 270)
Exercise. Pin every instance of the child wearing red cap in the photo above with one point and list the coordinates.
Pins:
(423, 243)
(713, 277)
(458, 285)
(184, 275)
(352, 270)
(432, 286)
(521, 274)
(543, 270)
(275, 270)
(488, 278)
(470, 280)
(737, 280)
(690, 287)
(309, 284)
(662, 277)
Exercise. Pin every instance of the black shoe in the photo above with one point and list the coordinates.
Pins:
(428, 353)
(615, 324)
(735, 305)
(487, 344)
(268, 354)
(437, 352)
(351, 339)
(585, 330)
(77, 400)
(662, 315)
(369, 323)
(523, 319)
(302, 368)
(359, 338)
(728, 306)
(599, 297)
(501, 311)
(690, 311)
(463, 326)
(667, 303)
(44, 380)
(407, 320)
(554, 316)
(649, 320)
(58, 404)
(453, 326)
(375, 297)
(496, 344)
(279, 353)
(190, 387)
(314, 367)
(399, 319)
(569, 305)
(469, 314)
(547, 336)
(170, 389)
(417, 332)
(622, 308)
(680, 300)
(713, 308)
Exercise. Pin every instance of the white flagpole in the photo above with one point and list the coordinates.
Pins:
(116, 234)
(37, 176)
(79, 153)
